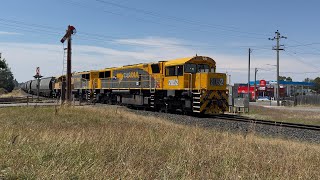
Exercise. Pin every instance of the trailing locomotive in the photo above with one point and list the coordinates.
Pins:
(189, 85)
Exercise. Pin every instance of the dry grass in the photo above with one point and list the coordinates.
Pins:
(284, 115)
(87, 143)
(3, 91)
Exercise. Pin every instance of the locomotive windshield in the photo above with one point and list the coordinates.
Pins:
(190, 68)
(203, 68)
(196, 68)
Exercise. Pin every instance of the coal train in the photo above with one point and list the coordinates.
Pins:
(189, 85)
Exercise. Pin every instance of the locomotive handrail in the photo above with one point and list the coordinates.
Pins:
(107, 82)
(190, 81)
(199, 82)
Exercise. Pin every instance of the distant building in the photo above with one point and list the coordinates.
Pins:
(268, 89)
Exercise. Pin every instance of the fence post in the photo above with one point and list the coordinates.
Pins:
(73, 100)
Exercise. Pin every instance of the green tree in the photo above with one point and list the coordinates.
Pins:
(289, 79)
(307, 80)
(284, 78)
(316, 82)
(7, 80)
(3, 65)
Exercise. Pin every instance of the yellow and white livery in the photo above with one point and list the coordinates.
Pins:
(189, 85)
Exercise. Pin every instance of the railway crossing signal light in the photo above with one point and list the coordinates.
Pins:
(38, 77)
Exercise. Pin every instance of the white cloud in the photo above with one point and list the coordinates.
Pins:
(151, 41)
(9, 33)
(23, 58)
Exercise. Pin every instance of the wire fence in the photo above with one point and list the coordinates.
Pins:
(305, 99)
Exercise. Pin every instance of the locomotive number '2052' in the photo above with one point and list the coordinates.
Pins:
(216, 81)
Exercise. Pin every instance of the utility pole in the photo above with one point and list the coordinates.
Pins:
(277, 48)
(249, 78)
(255, 83)
(70, 31)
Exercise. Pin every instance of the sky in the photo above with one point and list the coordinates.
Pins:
(120, 32)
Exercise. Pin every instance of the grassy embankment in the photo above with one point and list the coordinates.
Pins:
(105, 143)
(14, 93)
(284, 115)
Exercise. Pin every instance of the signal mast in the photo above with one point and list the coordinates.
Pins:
(69, 32)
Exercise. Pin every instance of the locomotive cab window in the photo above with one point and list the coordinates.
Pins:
(171, 71)
(174, 70)
(213, 69)
(101, 74)
(107, 74)
(203, 68)
(85, 76)
(190, 68)
(179, 70)
(155, 68)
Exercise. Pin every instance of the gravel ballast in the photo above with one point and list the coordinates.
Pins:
(237, 127)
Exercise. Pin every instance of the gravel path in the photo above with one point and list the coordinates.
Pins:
(238, 127)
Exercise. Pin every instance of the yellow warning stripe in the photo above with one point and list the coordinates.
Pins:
(207, 101)
(223, 100)
(211, 107)
(205, 95)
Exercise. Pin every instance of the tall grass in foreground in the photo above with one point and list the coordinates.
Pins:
(87, 143)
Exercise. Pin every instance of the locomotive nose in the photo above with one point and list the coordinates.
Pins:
(216, 81)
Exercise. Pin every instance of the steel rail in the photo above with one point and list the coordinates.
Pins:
(267, 122)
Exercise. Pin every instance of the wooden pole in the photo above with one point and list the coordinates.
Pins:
(69, 71)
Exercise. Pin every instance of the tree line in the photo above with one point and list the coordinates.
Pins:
(316, 82)
(7, 80)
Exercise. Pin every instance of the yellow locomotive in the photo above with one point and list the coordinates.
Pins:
(186, 85)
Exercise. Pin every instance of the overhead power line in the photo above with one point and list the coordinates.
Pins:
(300, 60)
(300, 45)
(165, 23)
(56, 31)
(178, 19)
(309, 72)
(33, 28)
(309, 45)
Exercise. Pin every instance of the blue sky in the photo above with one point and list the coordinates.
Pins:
(113, 33)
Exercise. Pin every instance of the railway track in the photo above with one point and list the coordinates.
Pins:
(7, 100)
(228, 117)
(266, 122)
(25, 99)
(242, 125)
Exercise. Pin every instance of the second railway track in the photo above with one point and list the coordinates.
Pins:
(267, 122)
(243, 125)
